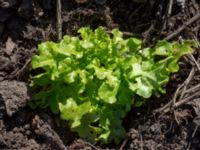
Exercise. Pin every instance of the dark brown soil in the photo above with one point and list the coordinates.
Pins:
(25, 23)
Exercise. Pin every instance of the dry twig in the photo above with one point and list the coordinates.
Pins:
(193, 89)
(59, 19)
(179, 30)
(178, 92)
(187, 81)
(187, 99)
(193, 134)
(123, 144)
(170, 8)
(196, 62)
(91, 145)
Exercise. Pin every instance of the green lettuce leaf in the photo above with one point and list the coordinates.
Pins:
(95, 79)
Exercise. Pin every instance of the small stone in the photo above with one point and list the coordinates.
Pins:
(15, 96)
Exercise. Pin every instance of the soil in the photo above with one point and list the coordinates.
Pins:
(155, 126)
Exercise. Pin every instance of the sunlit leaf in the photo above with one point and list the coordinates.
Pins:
(95, 79)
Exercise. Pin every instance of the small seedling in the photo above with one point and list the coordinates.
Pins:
(94, 80)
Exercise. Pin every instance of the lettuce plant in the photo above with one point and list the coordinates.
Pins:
(94, 80)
